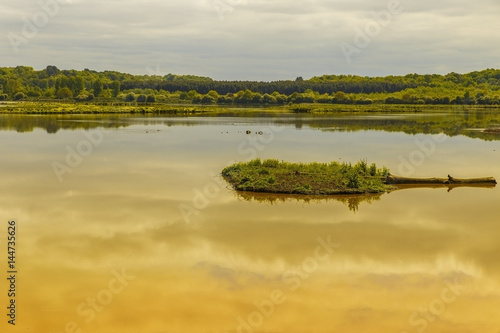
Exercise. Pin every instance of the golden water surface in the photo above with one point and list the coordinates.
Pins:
(143, 236)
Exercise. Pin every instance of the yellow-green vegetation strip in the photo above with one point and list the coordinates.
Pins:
(273, 176)
(104, 108)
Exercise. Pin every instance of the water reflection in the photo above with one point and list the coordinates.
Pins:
(351, 201)
(481, 124)
(120, 210)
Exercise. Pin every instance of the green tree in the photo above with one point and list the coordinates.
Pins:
(340, 97)
(13, 86)
(52, 70)
(244, 97)
(64, 93)
(213, 94)
(20, 95)
(408, 98)
(49, 93)
(97, 86)
(34, 92)
(207, 99)
(130, 97)
(115, 87)
(78, 85)
(106, 94)
(268, 99)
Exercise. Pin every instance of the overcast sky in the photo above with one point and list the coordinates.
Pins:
(253, 39)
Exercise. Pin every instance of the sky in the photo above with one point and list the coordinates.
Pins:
(253, 39)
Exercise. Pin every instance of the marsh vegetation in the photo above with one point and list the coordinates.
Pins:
(273, 176)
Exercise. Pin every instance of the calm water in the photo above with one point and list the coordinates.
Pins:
(138, 234)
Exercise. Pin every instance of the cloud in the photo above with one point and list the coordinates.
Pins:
(259, 40)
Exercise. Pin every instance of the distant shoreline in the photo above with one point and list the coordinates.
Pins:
(24, 84)
(51, 107)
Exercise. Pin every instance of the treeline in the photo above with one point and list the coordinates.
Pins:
(25, 83)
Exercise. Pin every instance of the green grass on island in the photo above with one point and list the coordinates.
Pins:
(273, 176)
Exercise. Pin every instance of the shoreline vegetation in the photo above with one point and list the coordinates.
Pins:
(89, 91)
(69, 108)
(324, 179)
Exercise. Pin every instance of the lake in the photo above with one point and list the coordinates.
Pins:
(124, 225)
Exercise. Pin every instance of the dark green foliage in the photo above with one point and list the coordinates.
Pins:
(64, 93)
(98, 87)
(52, 71)
(475, 88)
(130, 97)
(19, 96)
(208, 100)
(115, 87)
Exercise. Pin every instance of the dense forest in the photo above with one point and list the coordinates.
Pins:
(51, 84)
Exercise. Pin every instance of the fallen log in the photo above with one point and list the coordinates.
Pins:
(396, 180)
(494, 130)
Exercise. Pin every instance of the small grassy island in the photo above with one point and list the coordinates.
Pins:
(273, 176)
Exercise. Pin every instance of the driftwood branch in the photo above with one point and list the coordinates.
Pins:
(395, 180)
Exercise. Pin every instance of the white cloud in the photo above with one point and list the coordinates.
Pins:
(256, 39)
